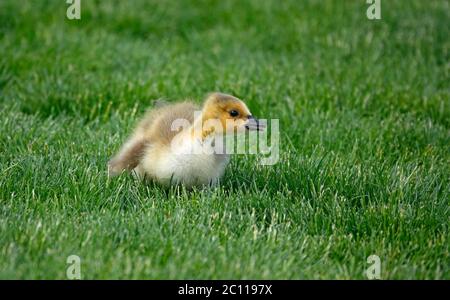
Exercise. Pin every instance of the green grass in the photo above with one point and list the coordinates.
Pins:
(364, 161)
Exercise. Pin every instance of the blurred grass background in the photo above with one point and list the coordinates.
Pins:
(364, 116)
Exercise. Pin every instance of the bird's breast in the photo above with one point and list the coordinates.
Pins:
(188, 163)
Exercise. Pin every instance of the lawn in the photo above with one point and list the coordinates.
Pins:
(364, 116)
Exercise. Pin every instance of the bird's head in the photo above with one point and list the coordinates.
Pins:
(227, 114)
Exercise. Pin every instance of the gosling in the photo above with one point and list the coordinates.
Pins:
(175, 143)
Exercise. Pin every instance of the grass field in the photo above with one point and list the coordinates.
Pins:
(364, 116)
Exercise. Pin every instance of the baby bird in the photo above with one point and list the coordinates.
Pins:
(175, 144)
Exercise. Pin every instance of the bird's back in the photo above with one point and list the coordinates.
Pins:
(156, 125)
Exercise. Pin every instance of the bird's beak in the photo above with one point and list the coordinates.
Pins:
(254, 124)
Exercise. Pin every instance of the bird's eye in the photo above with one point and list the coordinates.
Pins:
(234, 113)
